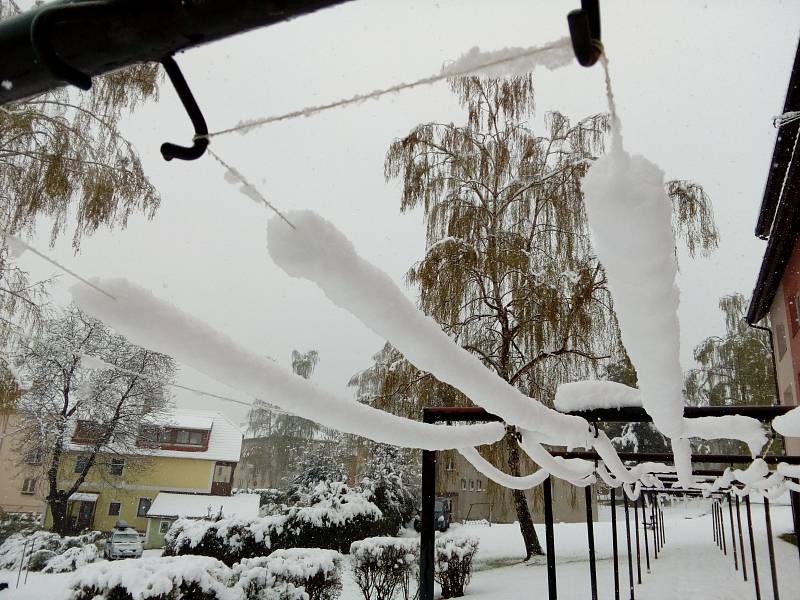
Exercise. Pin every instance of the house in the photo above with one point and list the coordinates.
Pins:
(195, 453)
(168, 506)
(473, 497)
(21, 489)
(776, 298)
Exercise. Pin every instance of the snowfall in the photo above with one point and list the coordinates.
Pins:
(690, 565)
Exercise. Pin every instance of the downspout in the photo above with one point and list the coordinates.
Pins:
(774, 365)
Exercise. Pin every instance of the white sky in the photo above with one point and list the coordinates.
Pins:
(696, 85)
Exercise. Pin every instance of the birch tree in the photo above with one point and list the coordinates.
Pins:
(508, 270)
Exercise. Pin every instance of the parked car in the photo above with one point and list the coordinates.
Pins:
(123, 542)
(442, 515)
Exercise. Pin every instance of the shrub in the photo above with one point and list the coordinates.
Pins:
(384, 567)
(172, 578)
(12, 550)
(11, 523)
(73, 558)
(453, 563)
(39, 559)
(309, 571)
(385, 481)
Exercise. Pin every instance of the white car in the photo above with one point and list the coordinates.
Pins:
(123, 542)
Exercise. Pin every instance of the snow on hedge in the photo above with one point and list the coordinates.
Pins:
(72, 559)
(317, 251)
(155, 324)
(589, 395)
(304, 573)
(154, 577)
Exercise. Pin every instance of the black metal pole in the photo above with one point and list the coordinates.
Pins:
(644, 532)
(590, 535)
(733, 534)
(628, 540)
(638, 551)
(795, 496)
(714, 521)
(771, 547)
(741, 538)
(653, 524)
(614, 542)
(752, 546)
(661, 523)
(550, 540)
(722, 529)
(427, 539)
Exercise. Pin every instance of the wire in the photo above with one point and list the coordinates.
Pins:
(399, 87)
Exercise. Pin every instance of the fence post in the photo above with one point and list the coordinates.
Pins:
(614, 541)
(644, 532)
(741, 538)
(628, 539)
(733, 534)
(638, 551)
(590, 534)
(722, 529)
(795, 496)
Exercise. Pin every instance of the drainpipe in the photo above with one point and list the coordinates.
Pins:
(774, 365)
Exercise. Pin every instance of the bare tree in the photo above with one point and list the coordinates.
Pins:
(73, 404)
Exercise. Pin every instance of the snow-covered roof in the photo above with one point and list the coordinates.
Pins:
(224, 441)
(243, 506)
(83, 497)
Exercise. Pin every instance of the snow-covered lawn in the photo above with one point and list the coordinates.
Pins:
(690, 565)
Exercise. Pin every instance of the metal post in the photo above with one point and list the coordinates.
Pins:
(550, 540)
(653, 523)
(638, 551)
(590, 534)
(722, 529)
(22, 561)
(614, 542)
(733, 534)
(770, 546)
(427, 539)
(741, 538)
(752, 546)
(628, 539)
(714, 521)
(644, 533)
(661, 523)
(795, 496)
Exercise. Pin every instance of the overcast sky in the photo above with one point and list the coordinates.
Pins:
(696, 84)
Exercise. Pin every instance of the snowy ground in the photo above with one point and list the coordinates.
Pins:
(690, 565)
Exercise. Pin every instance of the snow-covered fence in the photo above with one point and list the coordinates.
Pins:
(453, 564)
(386, 567)
(312, 571)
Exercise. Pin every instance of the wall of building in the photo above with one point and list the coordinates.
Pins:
(786, 339)
(14, 472)
(453, 473)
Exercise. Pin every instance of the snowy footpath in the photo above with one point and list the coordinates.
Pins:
(689, 566)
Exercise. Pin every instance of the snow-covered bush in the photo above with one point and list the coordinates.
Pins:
(386, 567)
(453, 563)
(163, 578)
(309, 573)
(269, 499)
(73, 558)
(38, 560)
(334, 516)
(11, 551)
(11, 523)
(386, 480)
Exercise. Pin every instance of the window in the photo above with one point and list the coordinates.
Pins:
(113, 508)
(222, 474)
(29, 486)
(480, 485)
(81, 463)
(780, 338)
(34, 456)
(163, 527)
(449, 465)
(165, 435)
(463, 484)
(144, 506)
(190, 438)
(116, 466)
(471, 485)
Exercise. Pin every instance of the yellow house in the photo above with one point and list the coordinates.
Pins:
(196, 453)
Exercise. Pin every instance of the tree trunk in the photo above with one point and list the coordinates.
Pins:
(58, 510)
(532, 545)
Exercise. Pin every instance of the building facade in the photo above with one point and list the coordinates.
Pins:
(20, 480)
(196, 453)
(775, 303)
(473, 497)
